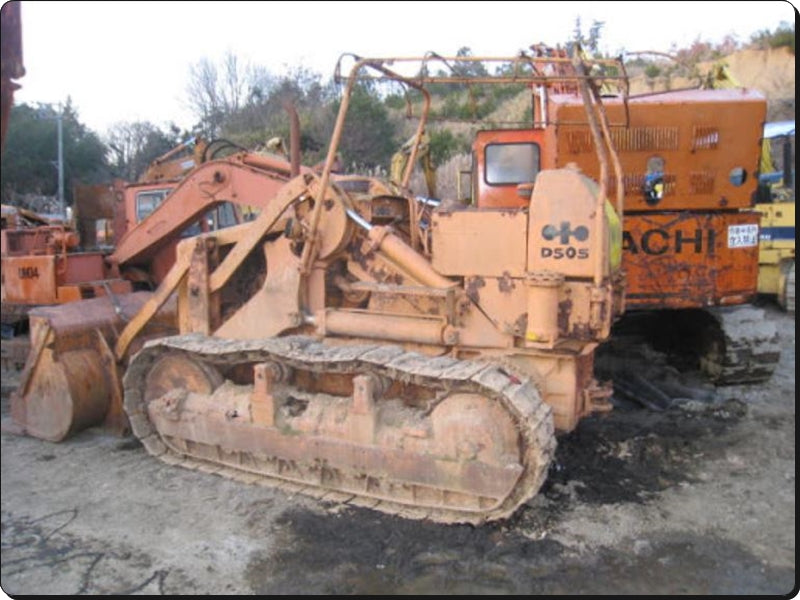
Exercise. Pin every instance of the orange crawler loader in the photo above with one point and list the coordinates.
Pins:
(364, 344)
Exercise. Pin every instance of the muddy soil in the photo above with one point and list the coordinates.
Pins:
(698, 498)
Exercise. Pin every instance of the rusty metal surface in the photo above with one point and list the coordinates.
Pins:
(29, 280)
(67, 382)
(479, 242)
(742, 346)
(54, 278)
(434, 434)
(477, 455)
(701, 136)
(82, 267)
(686, 260)
(94, 201)
(498, 194)
(40, 239)
(69, 393)
(10, 60)
(208, 185)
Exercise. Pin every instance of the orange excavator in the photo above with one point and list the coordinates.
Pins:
(209, 197)
(46, 263)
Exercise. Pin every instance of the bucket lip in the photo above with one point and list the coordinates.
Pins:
(68, 393)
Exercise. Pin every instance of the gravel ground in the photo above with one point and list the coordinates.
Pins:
(695, 499)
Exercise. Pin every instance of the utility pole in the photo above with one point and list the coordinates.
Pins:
(60, 120)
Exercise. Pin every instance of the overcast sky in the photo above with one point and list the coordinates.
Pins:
(128, 61)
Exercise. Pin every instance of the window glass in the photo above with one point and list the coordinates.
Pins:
(226, 216)
(511, 163)
(147, 202)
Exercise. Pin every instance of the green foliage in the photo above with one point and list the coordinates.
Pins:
(445, 144)
(652, 71)
(395, 102)
(591, 41)
(470, 104)
(264, 115)
(370, 137)
(30, 156)
(371, 134)
(504, 92)
(784, 35)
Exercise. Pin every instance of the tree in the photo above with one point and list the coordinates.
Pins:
(215, 93)
(784, 35)
(264, 115)
(369, 136)
(591, 42)
(134, 145)
(29, 163)
(246, 105)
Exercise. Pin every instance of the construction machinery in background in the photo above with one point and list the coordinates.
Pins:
(45, 262)
(400, 163)
(48, 263)
(361, 343)
(689, 162)
(776, 203)
(208, 198)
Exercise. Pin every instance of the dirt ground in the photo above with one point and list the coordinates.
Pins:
(695, 499)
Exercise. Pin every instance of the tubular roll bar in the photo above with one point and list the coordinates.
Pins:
(524, 68)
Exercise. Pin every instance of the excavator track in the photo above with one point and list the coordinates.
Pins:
(740, 347)
(423, 460)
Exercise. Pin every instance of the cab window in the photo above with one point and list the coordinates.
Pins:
(511, 163)
(147, 202)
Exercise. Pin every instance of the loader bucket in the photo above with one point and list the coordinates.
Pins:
(71, 379)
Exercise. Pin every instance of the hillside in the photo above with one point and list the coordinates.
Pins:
(770, 71)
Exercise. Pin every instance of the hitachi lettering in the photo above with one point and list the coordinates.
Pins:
(662, 241)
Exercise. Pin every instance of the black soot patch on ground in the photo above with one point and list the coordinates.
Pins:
(359, 551)
(628, 455)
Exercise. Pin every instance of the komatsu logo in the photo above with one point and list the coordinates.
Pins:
(550, 232)
(564, 233)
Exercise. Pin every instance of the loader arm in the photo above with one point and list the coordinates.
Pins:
(244, 179)
(244, 238)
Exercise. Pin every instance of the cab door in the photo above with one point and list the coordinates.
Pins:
(505, 160)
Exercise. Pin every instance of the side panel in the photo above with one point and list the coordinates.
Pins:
(683, 260)
(703, 144)
(776, 243)
(480, 242)
(81, 267)
(29, 279)
(563, 233)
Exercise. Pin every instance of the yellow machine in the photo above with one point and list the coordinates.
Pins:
(400, 162)
(776, 205)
